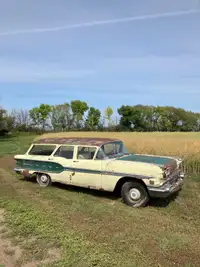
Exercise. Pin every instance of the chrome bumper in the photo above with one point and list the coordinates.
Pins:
(168, 188)
(23, 172)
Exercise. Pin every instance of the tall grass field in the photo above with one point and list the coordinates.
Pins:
(184, 145)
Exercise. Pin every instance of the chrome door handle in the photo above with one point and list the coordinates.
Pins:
(75, 161)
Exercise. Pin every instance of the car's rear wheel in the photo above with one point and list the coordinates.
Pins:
(134, 194)
(44, 180)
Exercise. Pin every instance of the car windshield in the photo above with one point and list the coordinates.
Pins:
(112, 150)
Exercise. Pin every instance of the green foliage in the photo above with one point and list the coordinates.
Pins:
(3, 124)
(72, 116)
(108, 114)
(10, 122)
(93, 118)
(7, 121)
(39, 115)
(79, 108)
(149, 118)
(61, 117)
(136, 117)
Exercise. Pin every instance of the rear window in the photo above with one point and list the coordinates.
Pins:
(42, 150)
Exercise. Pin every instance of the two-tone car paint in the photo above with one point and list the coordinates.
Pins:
(101, 174)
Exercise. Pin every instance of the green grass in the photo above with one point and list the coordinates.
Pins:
(92, 228)
(15, 144)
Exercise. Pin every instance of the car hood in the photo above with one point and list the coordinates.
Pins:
(151, 159)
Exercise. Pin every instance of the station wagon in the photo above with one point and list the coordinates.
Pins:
(101, 164)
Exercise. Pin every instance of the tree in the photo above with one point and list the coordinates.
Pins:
(126, 116)
(10, 122)
(108, 114)
(93, 118)
(40, 115)
(142, 117)
(137, 118)
(62, 117)
(3, 125)
(161, 119)
(7, 121)
(22, 119)
(79, 108)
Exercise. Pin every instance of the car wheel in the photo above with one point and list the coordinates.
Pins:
(44, 180)
(134, 194)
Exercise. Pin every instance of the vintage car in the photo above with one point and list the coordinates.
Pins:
(101, 164)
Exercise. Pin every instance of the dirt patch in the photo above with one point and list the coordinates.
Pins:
(53, 255)
(7, 163)
(2, 212)
(10, 254)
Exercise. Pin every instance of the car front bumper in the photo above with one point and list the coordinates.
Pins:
(168, 188)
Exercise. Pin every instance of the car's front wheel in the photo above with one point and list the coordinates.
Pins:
(44, 180)
(134, 194)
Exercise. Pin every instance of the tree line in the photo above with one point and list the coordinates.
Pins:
(79, 116)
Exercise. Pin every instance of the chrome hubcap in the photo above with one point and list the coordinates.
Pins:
(134, 194)
(44, 178)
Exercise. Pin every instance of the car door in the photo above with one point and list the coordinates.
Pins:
(87, 169)
(63, 156)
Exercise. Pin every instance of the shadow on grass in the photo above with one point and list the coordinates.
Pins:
(156, 202)
(162, 202)
(71, 188)
(93, 192)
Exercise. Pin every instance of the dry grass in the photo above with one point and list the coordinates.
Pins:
(185, 145)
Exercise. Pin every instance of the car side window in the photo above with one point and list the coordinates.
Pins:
(66, 152)
(86, 152)
(42, 150)
(112, 148)
(100, 154)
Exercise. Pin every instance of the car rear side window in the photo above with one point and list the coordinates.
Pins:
(86, 152)
(66, 152)
(42, 150)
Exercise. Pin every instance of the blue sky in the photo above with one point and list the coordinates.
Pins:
(153, 61)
